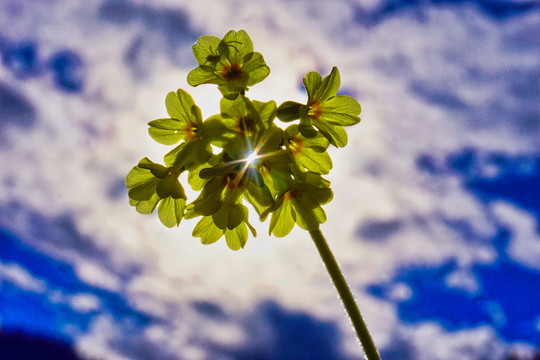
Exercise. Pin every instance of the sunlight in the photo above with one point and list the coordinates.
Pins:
(252, 157)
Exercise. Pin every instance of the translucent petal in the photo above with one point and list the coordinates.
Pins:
(335, 134)
(341, 110)
(283, 219)
(328, 87)
(171, 211)
(166, 131)
(199, 76)
(237, 237)
(255, 68)
(312, 81)
(207, 231)
(206, 50)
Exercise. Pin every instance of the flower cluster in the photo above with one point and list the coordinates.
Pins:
(277, 171)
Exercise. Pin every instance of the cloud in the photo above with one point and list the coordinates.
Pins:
(21, 278)
(434, 81)
(524, 246)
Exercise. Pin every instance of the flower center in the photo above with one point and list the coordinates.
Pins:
(315, 110)
(231, 72)
(295, 145)
(290, 194)
(246, 125)
(191, 131)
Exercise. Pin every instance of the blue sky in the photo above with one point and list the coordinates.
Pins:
(435, 219)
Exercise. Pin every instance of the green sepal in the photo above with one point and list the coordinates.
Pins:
(221, 169)
(260, 198)
(189, 154)
(209, 200)
(170, 186)
(216, 132)
(230, 92)
(276, 174)
(246, 220)
(307, 130)
(157, 170)
(308, 218)
(289, 111)
(194, 179)
(229, 215)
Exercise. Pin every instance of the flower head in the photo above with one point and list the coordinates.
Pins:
(325, 110)
(229, 63)
(301, 204)
(149, 183)
(240, 156)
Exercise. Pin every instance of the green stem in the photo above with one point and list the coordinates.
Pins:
(346, 295)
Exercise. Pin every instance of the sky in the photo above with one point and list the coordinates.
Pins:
(436, 209)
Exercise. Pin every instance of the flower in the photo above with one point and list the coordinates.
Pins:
(185, 124)
(325, 110)
(308, 153)
(223, 213)
(240, 156)
(149, 183)
(301, 204)
(229, 63)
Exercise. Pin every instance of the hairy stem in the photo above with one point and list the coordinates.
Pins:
(346, 295)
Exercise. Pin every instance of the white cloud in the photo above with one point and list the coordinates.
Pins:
(84, 303)
(433, 342)
(83, 143)
(524, 246)
(21, 278)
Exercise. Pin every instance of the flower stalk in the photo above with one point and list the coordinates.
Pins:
(345, 294)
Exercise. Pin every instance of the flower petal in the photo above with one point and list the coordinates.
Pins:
(237, 237)
(206, 50)
(283, 219)
(255, 68)
(341, 110)
(207, 231)
(328, 87)
(335, 134)
(200, 76)
(166, 131)
(312, 81)
(171, 211)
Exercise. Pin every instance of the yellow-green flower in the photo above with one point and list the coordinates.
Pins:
(149, 183)
(301, 205)
(185, 124)
(229, 63)
(325, 110)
